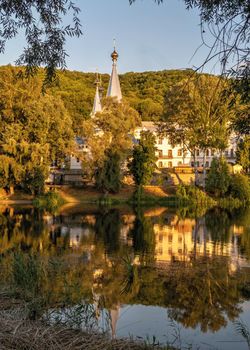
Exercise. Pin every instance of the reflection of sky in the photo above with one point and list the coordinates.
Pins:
(149, 321)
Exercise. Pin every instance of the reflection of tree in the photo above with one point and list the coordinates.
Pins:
(218, 224)
(201, 292)
(143, 236)
(242, 218)
(107, 228)
(204, 294)
(23, 229)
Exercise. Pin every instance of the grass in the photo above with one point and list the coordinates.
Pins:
(17, 332)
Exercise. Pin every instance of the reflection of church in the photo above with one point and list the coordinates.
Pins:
(167, 156)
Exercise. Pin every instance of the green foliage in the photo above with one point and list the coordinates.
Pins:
(26, 275)
(192, 195)
(243, 153)
(197, 112)
(240, 188)
(108, 177)
(109, 140)
(41, 23)
(218, 179)
(50, 201)
(34, 130)
(35, 179)
(143, 160)
(144, 92)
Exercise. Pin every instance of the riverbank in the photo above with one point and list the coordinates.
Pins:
(90, 195)
(171, 196)
(19, 333)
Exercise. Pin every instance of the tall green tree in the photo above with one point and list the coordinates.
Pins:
(197, 115)
(143, 160)
(243, 153)
(35, 129)
(218, 179)
(109, 138)
(108, 177)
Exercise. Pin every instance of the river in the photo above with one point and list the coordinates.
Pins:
(158, 274)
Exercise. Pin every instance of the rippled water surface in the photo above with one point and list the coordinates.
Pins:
(158, 274)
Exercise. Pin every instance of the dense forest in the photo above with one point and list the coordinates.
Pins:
(143, 91)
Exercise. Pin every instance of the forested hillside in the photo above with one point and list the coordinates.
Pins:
(144, 91)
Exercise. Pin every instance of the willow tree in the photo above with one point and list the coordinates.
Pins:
(45, 33)
(198, 113)
(35, 129)
(109, 139)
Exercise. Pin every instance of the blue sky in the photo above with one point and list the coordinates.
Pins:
(148, 37)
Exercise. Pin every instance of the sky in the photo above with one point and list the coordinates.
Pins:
(148, 37)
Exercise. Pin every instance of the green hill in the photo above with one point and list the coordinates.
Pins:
(144, 91)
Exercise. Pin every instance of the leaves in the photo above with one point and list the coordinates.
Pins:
(42, 22)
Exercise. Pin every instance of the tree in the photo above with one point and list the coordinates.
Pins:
(143, 160)
(41, 22)
(197, 115)
(243, 153)
(35, 129)
(108, 177)
(218, 179)
(109, 139)
(240, 187)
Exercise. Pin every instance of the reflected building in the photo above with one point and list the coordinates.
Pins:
(183, 240)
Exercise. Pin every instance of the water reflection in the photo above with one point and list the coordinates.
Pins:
(98, 261)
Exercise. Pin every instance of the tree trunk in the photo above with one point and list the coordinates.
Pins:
(195, 169)
(204, 169)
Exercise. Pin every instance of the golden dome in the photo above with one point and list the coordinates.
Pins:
(114, 55)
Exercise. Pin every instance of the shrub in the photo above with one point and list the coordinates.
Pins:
(193, 195)
(218, 179)
(50, 201)
(240, 187)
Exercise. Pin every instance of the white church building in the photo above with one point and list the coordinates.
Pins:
(167, 155)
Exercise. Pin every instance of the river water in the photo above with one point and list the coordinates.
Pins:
(160, 274)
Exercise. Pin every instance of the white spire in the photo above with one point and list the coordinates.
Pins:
(114, 89)
(97, 107)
